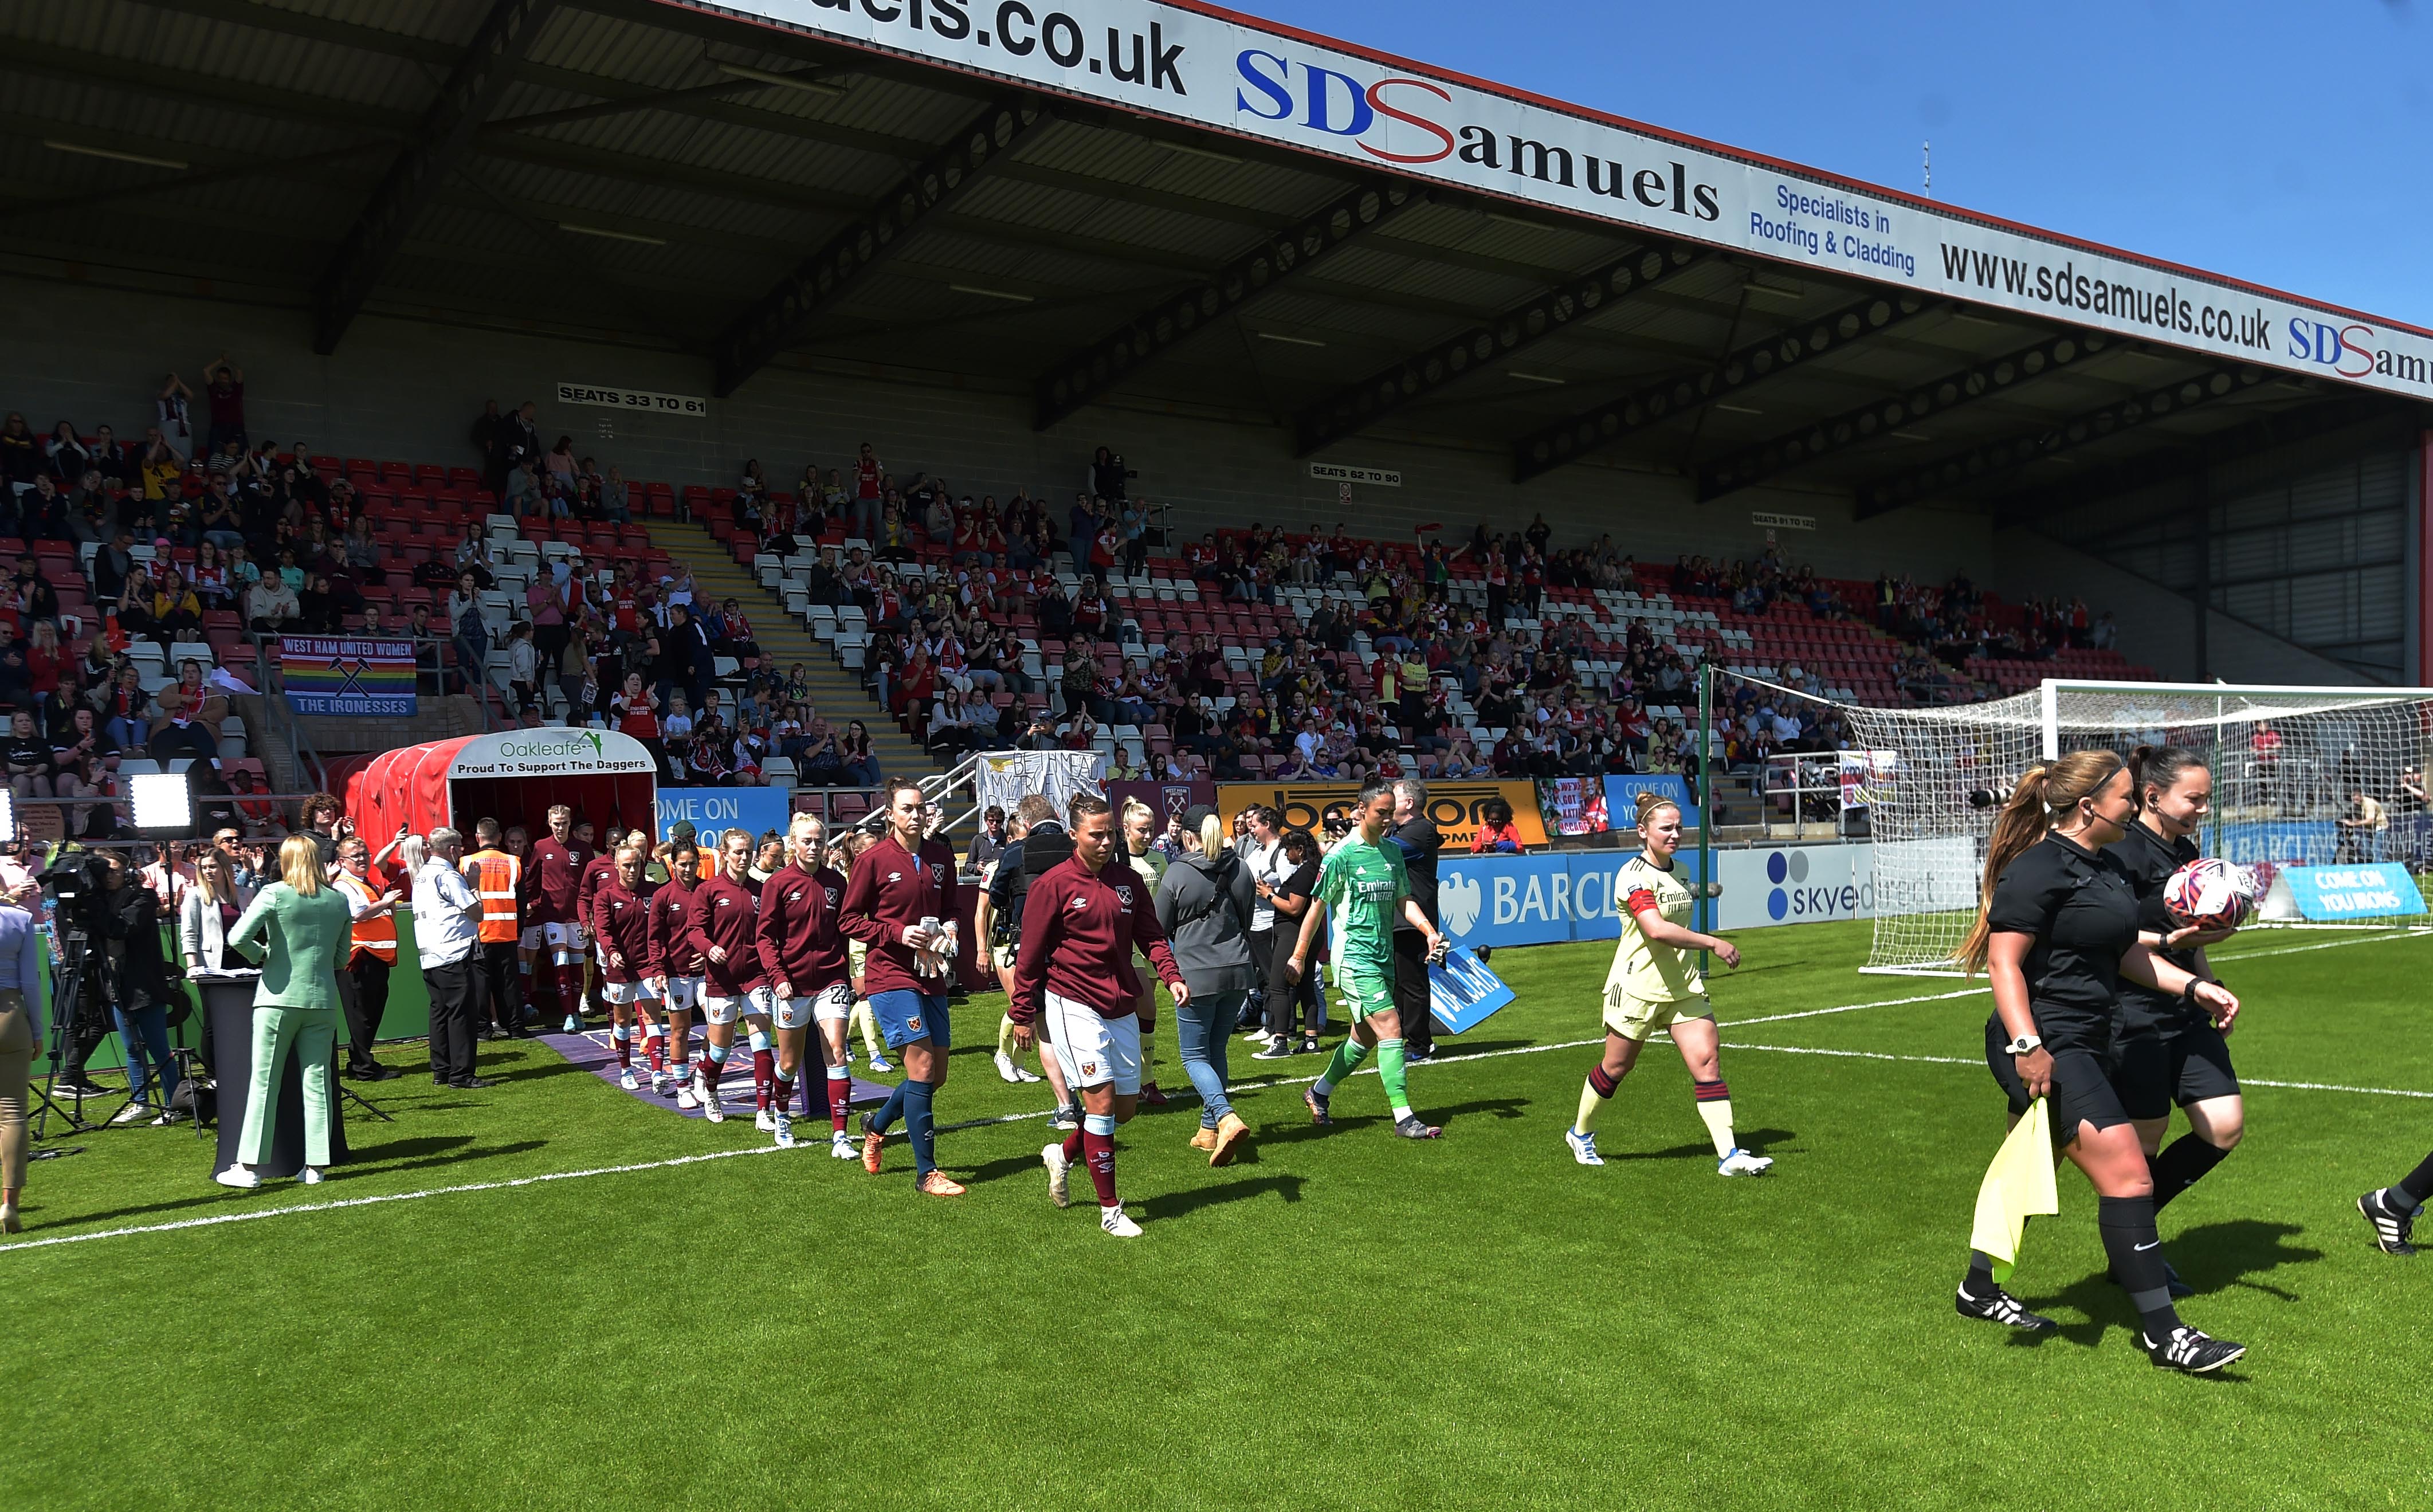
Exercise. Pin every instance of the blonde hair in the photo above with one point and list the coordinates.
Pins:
(2042, 796)
(224, 890)
(300, 864)
(1212, 834)
(1132, 806)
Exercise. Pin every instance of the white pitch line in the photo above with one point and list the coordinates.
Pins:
(1955, 1060)
(214, 1220)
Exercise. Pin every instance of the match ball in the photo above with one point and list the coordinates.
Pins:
(2210, 893)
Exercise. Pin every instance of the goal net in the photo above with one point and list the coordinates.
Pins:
(2289, 767)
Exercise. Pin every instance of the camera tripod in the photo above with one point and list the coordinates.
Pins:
(68, 1007)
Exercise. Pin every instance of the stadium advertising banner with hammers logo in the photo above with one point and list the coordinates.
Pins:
(332, 675)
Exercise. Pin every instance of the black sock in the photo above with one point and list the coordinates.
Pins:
(2127, 1225)
(1980, 1281)
(2182, 1166)
(2418, 1184)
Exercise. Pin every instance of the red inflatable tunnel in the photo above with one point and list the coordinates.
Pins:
(514, 776)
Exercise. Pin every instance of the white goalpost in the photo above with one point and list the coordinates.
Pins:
(2288, 765)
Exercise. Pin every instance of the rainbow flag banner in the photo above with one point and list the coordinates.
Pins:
(335, 675)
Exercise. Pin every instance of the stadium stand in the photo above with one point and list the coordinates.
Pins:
(1248, 653)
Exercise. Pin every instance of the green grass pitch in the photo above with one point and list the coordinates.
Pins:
(1342, 1320)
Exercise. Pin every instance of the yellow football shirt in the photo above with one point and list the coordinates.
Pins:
(1643, 968)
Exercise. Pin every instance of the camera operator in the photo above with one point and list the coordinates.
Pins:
(21, 1033)
(134, 981)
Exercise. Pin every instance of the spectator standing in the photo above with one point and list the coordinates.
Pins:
(224, 390)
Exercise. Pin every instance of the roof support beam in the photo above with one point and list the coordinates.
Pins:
(1357, 406)
(1568, 440)
(1869, 422)
(1992, 459)
(1092, 370)
(781, 316)
(466, 98)
(2237, 443)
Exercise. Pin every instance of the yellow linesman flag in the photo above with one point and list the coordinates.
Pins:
(2019, 1183)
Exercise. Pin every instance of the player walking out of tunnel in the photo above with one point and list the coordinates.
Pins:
(725, 929)
(1082, 921)
(680, 968)
(803, 953)
(1363, 885)
(629, 964)
(900, 902)
(552, 943)
(1652, 986)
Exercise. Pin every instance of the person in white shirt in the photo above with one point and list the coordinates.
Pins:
(446, 925)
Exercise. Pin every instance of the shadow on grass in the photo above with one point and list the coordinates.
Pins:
(1175, 1204)
(1755, 1141)
(2210, 1258)
(1295, 1133)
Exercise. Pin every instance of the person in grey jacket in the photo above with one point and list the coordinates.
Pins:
(1205, 902)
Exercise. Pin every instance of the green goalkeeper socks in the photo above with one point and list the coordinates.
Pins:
(1348, 1057)
(1390, 1070)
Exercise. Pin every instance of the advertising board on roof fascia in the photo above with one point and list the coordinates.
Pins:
(1254, 79)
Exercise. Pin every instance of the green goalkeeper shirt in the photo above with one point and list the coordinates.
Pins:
(1363, 887)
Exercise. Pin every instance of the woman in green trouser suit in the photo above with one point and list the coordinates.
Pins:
(297, 927)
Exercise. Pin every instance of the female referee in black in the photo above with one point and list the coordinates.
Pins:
(2057, 931)
(2166, 1051)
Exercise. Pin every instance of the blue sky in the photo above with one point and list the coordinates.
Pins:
(2282, 144)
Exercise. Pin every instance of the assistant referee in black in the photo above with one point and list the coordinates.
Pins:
(2057, 931)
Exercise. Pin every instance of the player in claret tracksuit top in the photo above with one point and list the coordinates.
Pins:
(724, 927)
(1082, 922)
(552, 943)
(680, 969)
(900, 902)
(619, 920)
(803, 953)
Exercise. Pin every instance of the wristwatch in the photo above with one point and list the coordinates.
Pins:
(2025, 1044)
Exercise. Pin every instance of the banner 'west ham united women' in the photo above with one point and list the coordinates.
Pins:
(1256, 78)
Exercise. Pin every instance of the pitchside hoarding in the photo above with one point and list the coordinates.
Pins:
(1216, 69)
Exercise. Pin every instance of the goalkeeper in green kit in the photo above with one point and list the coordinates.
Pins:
(1364, 888)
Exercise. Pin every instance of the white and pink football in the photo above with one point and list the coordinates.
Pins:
(2210, 893)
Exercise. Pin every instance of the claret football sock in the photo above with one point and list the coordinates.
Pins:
(1595, 1094)
(840, 1096)
(1098, 1152)
(1715, 1107)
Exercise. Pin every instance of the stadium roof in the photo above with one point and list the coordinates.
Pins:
(1208, 213)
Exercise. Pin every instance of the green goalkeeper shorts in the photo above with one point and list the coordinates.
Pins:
(1364, 995)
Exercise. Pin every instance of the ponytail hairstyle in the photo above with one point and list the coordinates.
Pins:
(1648, 801)
(2042, 796)
(2160, 766)
(1212, 835)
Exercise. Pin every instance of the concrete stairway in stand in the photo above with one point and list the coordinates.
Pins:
(836, 694)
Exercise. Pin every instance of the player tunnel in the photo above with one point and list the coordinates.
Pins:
(514, 776)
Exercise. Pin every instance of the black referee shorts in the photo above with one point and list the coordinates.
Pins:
(2081, 1082)
(2179, 1065)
